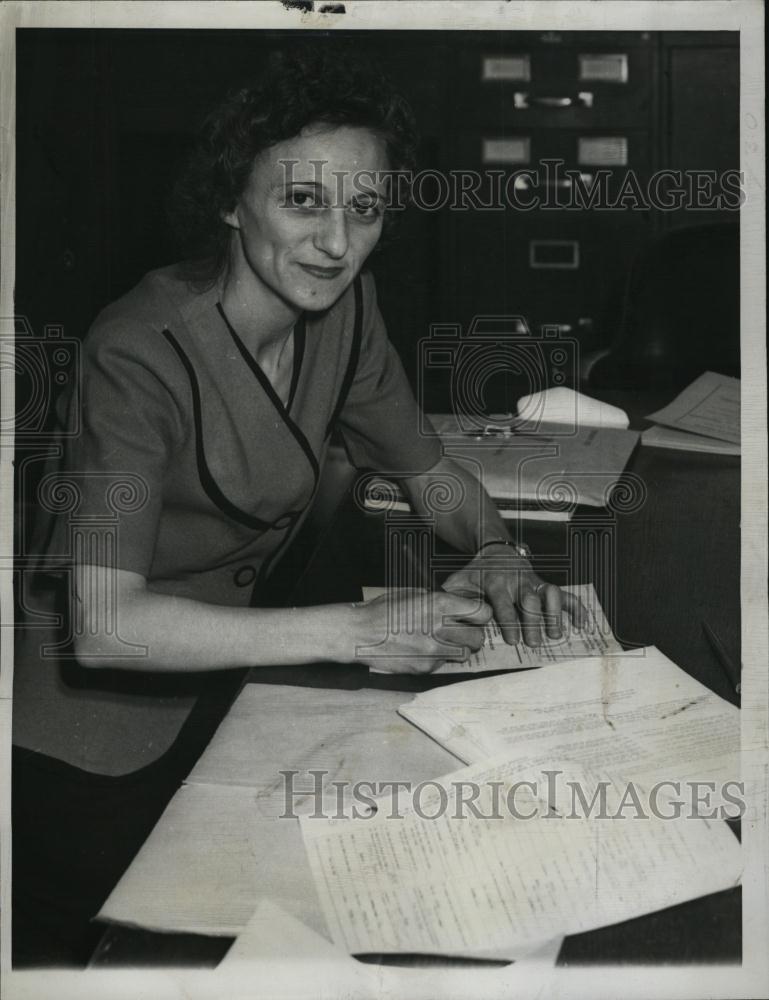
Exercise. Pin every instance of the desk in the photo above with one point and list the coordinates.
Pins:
(675, 563)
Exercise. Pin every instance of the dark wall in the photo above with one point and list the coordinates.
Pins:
(104, 120)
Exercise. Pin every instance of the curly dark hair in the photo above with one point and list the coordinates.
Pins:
(307, 84)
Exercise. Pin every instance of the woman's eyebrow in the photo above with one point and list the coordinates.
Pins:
(362, 193)
(284, 184)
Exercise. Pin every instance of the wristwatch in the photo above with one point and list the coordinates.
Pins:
(520, 548)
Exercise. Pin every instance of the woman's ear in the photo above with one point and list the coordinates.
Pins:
(231, 219)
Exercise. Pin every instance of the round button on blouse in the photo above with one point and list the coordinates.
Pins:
(244, 576)
(286, 521)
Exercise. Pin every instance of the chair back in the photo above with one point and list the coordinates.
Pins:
(681, 312)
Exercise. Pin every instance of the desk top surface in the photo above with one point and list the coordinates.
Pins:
(666, 565)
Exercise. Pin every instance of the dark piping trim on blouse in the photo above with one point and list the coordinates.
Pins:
(207, 480)
(266, 385)
(352, 364)
(299, 340)
(344, 390)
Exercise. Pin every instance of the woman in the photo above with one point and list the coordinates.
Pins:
(209, 394)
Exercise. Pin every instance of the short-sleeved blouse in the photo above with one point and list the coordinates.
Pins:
(209, 473)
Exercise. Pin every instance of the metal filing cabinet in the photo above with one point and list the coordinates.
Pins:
(531, 106)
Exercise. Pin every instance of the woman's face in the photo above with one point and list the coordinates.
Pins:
(310, 214)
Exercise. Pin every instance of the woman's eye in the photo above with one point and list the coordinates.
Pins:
(303, 199)
(369, 208)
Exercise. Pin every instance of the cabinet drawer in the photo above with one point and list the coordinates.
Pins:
(527, 83)
(586, 148)
(558, 268)
(553, 167)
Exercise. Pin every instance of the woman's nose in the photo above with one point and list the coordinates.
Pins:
(331, 235)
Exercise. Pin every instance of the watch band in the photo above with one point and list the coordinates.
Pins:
(520, 548)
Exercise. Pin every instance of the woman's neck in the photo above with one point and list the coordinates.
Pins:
(261, 318)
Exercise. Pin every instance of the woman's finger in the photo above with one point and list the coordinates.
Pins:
(463, 606)
(550, 596)
(530, 606)
(577, 611)
(463, 653)
(505, 613)
(461, 634)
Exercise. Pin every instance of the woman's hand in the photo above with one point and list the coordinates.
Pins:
(414, 631)
(521, 600)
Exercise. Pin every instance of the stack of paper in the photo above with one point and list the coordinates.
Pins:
(491, 885)
(338, 735)
(704, 417)
(545, 463)
(561, 823)
(532, 468)
(638, 714)
(595, 639)
(487, 882)
(229, 838)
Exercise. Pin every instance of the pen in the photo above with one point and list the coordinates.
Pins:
(727, 665)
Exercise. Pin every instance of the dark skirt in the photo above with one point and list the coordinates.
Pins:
(74, 833)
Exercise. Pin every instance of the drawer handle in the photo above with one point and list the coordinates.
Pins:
(522, 100)
(583, 324)
(524, 183)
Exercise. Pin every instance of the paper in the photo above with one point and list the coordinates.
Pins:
(209, 861)
(710, 406)
(280, 955)
(218, 851)
(350, 735)
(561, 405)
(495, 654)
(666, 437)
(213, 860)
(467, 884)
(639, 713)
(221, 847)
(539, 462)
(272, 934)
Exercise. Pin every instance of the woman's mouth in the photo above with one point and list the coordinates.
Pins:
(326, 273)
